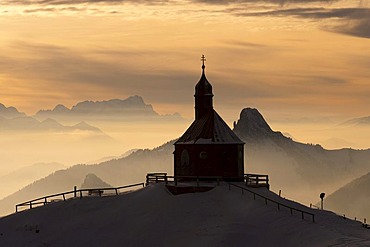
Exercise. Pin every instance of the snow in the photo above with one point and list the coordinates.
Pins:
(154, 217)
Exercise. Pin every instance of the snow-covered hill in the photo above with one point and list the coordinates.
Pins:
(152, 216)
(116, 172)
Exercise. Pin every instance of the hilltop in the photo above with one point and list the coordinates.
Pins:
(218, 217)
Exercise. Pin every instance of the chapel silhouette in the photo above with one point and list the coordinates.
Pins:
(208, 147)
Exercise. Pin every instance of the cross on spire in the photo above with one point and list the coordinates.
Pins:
(203, 59)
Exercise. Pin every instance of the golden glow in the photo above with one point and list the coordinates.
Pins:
(288, 67)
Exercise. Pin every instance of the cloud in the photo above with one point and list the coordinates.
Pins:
(279, 2)
(351, 21)
(358, 27)
(70, 2)
(316, 13)
(48, 69)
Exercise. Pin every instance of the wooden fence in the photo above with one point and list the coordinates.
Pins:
(257, 180)
(279, 205)
(73, 194)
(251, 180)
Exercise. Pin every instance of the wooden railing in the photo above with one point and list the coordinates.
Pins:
(163, 177)
(251, 180)
(257, 180)
(279, 205)
(73, 194)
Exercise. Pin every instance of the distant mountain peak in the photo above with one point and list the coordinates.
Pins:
(60, 108)
(252, 125)
(131, 108)
(10, 112)
(84, 126)
(92, 181)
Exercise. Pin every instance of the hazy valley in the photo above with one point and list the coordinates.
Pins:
(300, 170)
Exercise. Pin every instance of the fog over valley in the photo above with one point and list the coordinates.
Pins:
(100, 149)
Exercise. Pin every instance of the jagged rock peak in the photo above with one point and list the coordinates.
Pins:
(254, 118)
(252, 125)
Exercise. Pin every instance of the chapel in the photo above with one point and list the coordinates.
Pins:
(208, 147)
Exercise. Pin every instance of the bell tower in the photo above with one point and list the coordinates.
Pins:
(203, 95)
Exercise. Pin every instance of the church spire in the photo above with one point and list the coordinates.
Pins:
(203, 59)
(203, 94)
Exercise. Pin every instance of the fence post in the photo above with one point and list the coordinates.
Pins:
(165, 179)
(75, 191)
(80, 194)
(30, 205)
(16, 208)
(64, 197)
(116, 191)
(46, 201)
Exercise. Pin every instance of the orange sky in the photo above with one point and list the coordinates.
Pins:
(290, 60)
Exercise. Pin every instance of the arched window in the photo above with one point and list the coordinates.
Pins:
(184, 158)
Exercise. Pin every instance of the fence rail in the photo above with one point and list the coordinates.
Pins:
(73, 194)
(251, 180)
(279, 205)
(257, 180)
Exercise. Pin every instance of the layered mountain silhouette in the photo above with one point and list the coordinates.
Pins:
(10, 112)
(31, 124)
(363, 121)
(133, 107)
(300, 170)
(25, 175)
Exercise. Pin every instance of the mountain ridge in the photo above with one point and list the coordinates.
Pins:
(119, 109)
(10, 112)
(292, 167)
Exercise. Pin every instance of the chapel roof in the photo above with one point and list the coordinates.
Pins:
(209, 129)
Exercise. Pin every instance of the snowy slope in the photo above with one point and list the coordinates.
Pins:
(154, 217)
